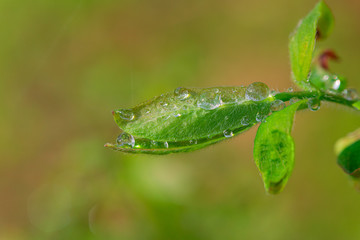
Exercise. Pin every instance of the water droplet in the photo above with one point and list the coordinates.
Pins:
(245, 121)
(154, 143)
(166, 144)
(209, 100)
(350, 94)
(164, 104)
(257, 91)
(260, 117)
(314, 104)
(182, 93)
(294, 100)
(335, 84)
(277, 105)
(290, 89)
(126, 139)
(273, 92)
(228, 133)
(125, 114)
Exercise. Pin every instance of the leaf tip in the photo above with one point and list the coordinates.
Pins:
(357, 105)
(275, 187)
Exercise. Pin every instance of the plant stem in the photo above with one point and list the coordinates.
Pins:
(329, 97)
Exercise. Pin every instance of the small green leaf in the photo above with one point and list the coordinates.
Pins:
(274, 148)
(302, 43)
(189, 119)
(348, 152)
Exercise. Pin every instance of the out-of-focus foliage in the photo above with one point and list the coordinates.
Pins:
(348, 151)
(317, 24)
(65, 65)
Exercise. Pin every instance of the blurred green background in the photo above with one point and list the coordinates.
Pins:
(65, 65)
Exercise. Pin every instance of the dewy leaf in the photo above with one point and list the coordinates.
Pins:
(348, 151)
(189, 119)
(318, 23)
(274, 148)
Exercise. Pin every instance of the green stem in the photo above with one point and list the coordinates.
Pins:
(328, 97)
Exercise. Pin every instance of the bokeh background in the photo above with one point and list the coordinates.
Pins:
(65, 65)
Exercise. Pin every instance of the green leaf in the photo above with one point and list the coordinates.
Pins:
(189, 119)
(274, 148)
(348, 152)
(302, 43)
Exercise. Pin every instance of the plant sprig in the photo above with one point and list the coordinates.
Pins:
(188, 119)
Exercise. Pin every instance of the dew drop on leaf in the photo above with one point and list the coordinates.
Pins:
(228, 134)
(257, 91)
(125, 139)
(333, 84)
(154, 144)
(277, 105)
(209, 100)
(125, 114)
(273, 92)
(163, 104)
(350, 94)
(245, 121)
(260, 117)
(182, 93)
(314, 104)
(294, 100)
